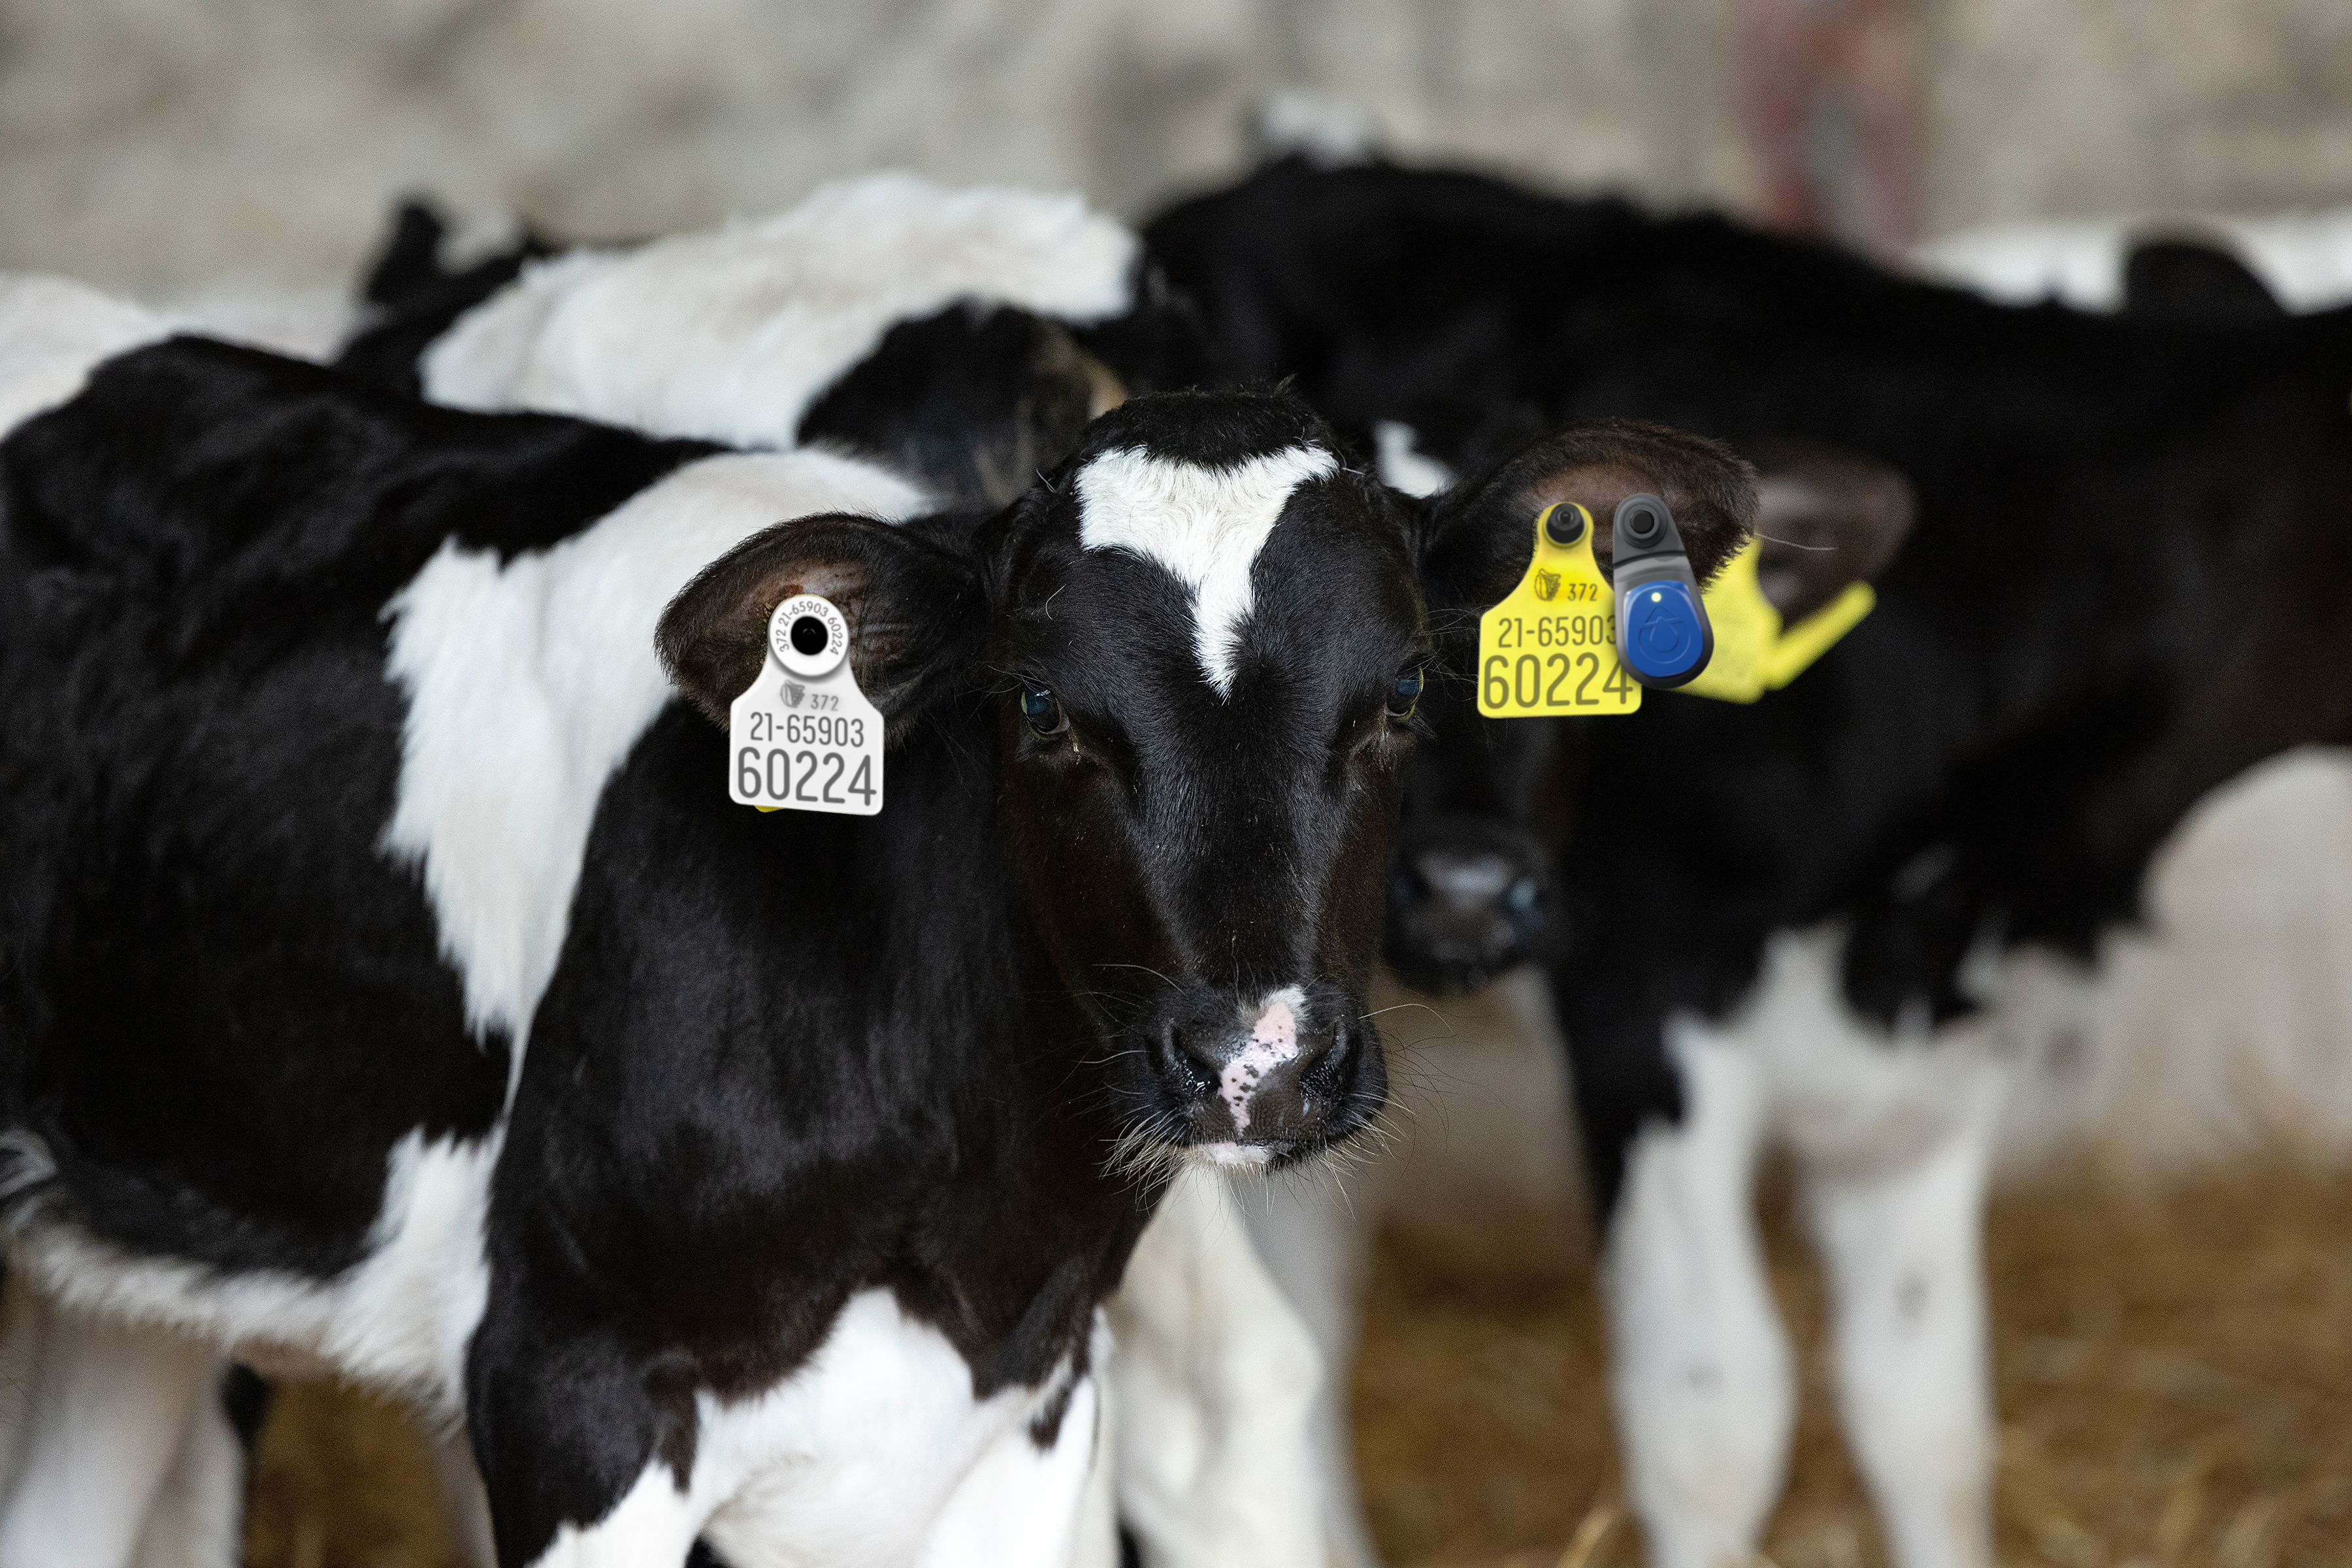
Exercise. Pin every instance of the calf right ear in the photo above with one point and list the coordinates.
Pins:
(918, 616)
(1828, 517)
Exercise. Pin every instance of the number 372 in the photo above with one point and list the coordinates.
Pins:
(1554, 680)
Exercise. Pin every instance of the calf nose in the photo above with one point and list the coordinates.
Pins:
(1459, 914)
(1271, 1078)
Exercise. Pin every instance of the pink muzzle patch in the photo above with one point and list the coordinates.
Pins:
(1272, 1041)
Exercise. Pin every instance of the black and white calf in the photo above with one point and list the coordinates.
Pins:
(967, 389)
(1214, 1376)
(1792, 922)
(389, 983)
(826, 324)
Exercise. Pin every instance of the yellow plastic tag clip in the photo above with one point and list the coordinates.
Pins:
(1753, 654)
(1550, 649)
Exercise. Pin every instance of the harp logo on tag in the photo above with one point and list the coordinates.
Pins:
(810, 743)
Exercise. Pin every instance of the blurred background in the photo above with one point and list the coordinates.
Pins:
(169, 144)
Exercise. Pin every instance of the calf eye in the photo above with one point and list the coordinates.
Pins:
(1043, 712)
(1405, 695)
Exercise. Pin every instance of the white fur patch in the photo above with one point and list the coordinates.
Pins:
(1401, 464)
(2303, 259)
(53, 333)
(1205, 525)
(1329, 133)
(875, 1453)
(731, 335)
(527, 685)
(399, 1319)
(1228, 1156)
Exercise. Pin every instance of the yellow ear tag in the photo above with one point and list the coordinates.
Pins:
(1818, 633)
(1752, 654)
(1550, 649)
(1746, 625)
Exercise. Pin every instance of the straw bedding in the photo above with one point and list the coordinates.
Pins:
(2174, 1367)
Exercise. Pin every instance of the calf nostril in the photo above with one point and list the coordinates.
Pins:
(1182, 1061)
(1325, 1073)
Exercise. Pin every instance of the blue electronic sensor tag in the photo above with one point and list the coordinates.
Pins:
(1663, 634)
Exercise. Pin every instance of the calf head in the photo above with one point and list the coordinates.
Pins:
(1470, 892)
(1206, 638)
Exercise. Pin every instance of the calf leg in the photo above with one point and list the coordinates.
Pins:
(653, 1526)
(1901, 1246)
(24, 1328)
(1315, 1242)
(1022, 1508)
(464, 1506)
(572, 1467)
(109, 1409)
(1213, 1379)
(1701, 1376)
(199, 1514)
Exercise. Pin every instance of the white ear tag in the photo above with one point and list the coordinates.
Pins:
(803, 737)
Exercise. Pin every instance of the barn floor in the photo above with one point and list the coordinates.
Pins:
(2175, 1377)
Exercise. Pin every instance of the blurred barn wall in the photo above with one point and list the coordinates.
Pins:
(161, 144)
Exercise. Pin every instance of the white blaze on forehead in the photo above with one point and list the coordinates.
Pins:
(1273, 1040)
(1204, 524)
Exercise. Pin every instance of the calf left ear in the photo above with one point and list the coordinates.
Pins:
(916, 612)
(1480, 536)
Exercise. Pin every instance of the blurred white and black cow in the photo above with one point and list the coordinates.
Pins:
(829, 323)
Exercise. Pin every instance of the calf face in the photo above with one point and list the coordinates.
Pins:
(1471, 891)
(1207, 638)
